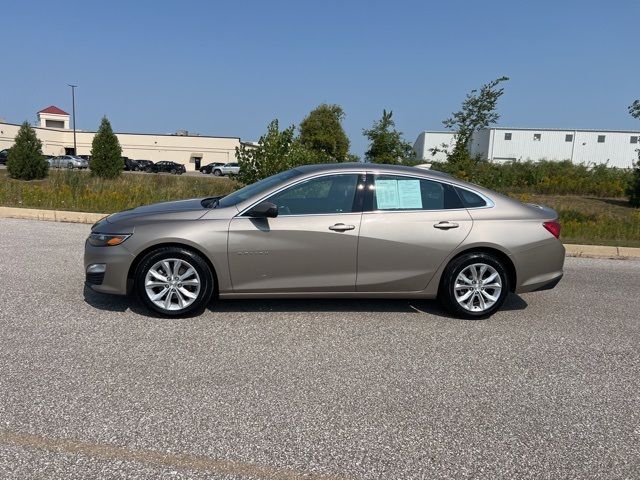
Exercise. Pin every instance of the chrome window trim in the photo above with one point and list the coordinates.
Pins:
(301, 180)
(488, 201)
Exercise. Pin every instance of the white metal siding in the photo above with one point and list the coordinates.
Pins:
(617, 149)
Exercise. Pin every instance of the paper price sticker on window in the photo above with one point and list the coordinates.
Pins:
(392, 194)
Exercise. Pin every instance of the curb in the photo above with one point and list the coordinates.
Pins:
(588, 251)
(51, 215)
(601, 251)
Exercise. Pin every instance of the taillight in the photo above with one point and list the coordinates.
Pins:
(554, 227)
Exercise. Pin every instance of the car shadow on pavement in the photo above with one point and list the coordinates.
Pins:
(117, 303)
(513, 302)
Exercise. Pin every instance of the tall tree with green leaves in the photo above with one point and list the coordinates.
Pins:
(25, 160)
(633, 190)
(321, 132)
(277, 150)
(479, 110)
(106, 153)
(386, 143)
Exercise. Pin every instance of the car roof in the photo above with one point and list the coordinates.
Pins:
(374, 167)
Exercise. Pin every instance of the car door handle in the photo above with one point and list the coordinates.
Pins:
(341, 227)
(446, 225)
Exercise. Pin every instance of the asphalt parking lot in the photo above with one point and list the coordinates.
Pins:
(91, 387)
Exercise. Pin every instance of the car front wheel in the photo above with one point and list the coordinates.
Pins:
(174, 281)
(474, 286)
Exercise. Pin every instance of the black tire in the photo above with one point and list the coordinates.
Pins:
(173, 171)
(70, 166)
(207, 282)
(446, 294)
(217, 172)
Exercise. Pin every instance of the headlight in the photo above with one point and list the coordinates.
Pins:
(106, 239)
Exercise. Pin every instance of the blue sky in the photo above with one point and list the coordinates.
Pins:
(229, 68)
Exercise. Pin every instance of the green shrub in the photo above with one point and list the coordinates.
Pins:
(106, 153)
(633, 190)
(25, 161)
(547, 177)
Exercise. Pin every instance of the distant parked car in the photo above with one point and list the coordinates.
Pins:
(209, 168)
(167, 167)
(144, 164)
(226, 169)
(4, 154)
(131, 165)
(68, 161)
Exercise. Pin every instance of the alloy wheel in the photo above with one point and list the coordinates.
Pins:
(172, 284)
(477, 287)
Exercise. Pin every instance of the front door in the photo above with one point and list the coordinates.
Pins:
(409, 227)
(311, 246)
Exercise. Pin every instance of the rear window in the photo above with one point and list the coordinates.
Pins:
(470, 199)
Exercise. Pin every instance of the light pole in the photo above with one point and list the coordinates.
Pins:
(73, 106)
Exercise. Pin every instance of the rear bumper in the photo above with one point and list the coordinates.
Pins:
(540, 267)
(549, 285)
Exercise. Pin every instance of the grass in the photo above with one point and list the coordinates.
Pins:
(593, 220)
(585, 219)
(78, 191)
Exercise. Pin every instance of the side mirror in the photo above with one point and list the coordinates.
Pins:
(264, 210)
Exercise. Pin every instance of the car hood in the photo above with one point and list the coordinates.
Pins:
(191, 209)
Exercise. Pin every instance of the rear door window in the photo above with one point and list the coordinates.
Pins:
(395, 193)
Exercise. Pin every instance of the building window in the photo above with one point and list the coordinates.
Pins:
(634, 139)
(568, 137)
(54, 123)
(600, 138)
(537, 137)
(507, 136)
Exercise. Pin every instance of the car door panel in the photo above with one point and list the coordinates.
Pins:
(311, 246)
(401, 251)
(293, 253)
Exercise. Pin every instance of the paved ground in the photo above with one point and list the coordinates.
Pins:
(90, 387)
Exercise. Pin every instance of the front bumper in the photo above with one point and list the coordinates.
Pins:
(117, 259)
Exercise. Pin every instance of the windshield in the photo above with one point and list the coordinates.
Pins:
(256, 188)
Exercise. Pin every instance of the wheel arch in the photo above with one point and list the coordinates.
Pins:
(143, 253)
(499, 254)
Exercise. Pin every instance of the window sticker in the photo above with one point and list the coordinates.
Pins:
(387, 194)
(409, 193)
(392, 194)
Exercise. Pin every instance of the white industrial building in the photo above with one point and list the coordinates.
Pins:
(57, 138)
(617, 148)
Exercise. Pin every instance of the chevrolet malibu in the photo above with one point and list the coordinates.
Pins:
(343, 230)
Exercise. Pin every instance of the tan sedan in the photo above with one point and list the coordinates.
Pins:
(339, 231)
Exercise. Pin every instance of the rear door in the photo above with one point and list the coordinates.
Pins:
(409, 226)
(311, 246)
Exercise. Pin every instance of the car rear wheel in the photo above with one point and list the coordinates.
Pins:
(70, 166)
(474, 285)
(217, 172)
(174, 281)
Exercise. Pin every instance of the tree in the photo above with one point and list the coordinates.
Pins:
(386, 143)
(321, 132)
(477, 111)
(634, 109)
(276, 151)
(633, 190)
(25, 160)
(106, 153)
